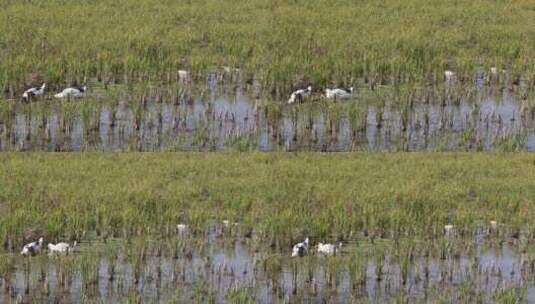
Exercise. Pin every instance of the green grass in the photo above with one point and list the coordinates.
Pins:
(282, 42)
(280, 195)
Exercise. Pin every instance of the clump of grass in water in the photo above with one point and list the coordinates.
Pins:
(89, 264)
(514, 143)
(6, 271)
(239, 295)
(510, 295)
(241, 143)
(65, 270)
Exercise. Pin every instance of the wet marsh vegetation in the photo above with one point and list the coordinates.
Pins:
(215, 75)
(281, 43)
(243, 212)
(223, 113)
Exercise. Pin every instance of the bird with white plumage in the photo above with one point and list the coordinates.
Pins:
(72, 91)
(328, 249)
(300, 95)
(34, 91)
(299, 249)
(32, 248)
(61, 247)
(339, 93)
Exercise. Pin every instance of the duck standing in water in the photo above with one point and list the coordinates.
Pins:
(299, 249)
(328, 249)
(34, 91)
(339, 93)
(73, 91)
(32, 248)
(61, 247)
(300, 95)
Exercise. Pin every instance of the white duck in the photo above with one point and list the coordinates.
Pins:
(73, 91)
(328, 249)
(300, 95)
(32, 248)
(339, 93)
(299, 249)
(34, 91)
(61, 247)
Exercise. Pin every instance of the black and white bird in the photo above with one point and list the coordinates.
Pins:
(300, 95)
(73, 91)
(299, 249)
(34, 91)
(339, 93)
(32, 248)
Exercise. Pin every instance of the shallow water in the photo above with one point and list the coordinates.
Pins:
(216, 120)
(222, 262)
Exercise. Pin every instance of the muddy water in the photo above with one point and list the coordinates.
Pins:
(212, 269)
(234, 120)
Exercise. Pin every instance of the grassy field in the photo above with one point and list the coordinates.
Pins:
(387, 209)
(281, 195)
(282, 42)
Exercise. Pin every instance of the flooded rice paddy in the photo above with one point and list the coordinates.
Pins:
(224, 264)
(216, 119)
(231, 263)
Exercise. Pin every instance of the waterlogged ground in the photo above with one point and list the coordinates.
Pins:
(225, 264)
(389, 210)
(218, 118)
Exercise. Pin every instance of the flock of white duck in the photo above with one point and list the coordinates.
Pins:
(68, 92)
(36, 247)
(79, 91)
(302, 248)
(298, 250)
(334, 93)
(347, 93)
(298, 95)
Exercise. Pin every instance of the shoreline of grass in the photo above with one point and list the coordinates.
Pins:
(279, 194)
